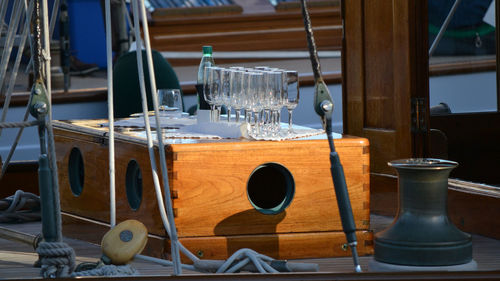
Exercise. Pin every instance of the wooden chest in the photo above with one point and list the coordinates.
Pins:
(274, 197)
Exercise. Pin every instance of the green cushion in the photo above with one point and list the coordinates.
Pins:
(126, 89)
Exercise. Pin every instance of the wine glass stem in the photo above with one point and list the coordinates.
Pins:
(278, 121)
(237, 111)
(212, 113)
(248, 116)
(290, 130)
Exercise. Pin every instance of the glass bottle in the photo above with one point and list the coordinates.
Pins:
(206, 61)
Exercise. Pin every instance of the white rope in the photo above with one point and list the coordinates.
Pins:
(57, 259)
(249, 256)
(169, 225)
(170, 214)
(164, 262)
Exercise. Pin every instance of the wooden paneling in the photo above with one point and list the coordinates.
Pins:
(382, 57)
(93, 202)
(378, 93)
(279, 246)
(210, 216)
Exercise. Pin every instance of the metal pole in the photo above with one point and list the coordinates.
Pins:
(9, 234)
(109, 55)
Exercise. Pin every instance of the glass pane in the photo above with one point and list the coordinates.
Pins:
(462, 64)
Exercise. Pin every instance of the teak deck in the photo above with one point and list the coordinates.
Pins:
(16, 262)
(208, 181)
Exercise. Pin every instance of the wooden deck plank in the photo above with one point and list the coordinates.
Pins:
(16, 259)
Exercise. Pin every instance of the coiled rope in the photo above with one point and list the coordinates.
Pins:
(101, 269)
(15, 208)
(56, 259)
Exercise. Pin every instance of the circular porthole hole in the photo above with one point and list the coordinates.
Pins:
(133, 184)
(76, 171)
(270, 188)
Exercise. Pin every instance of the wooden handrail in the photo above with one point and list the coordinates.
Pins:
(462, 67)
(242, 20)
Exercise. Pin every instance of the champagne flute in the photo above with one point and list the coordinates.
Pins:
(274, 94)
(256, 99)
(226, 90)
(217, 91)
(209, 88)
(246, 104)
(236, 91)
(292, 95)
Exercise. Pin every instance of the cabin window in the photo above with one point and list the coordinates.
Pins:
(462, 58)
(463, 94)
(76, 171)
(133, 185)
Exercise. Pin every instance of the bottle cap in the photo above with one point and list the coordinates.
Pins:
(207, 50)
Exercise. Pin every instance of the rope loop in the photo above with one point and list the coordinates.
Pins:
(20, 207)
(57, 259)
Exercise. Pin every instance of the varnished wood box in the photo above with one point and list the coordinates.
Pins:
(226, 194)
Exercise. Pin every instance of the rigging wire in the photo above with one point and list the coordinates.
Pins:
(9, 41)
(29, 10)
